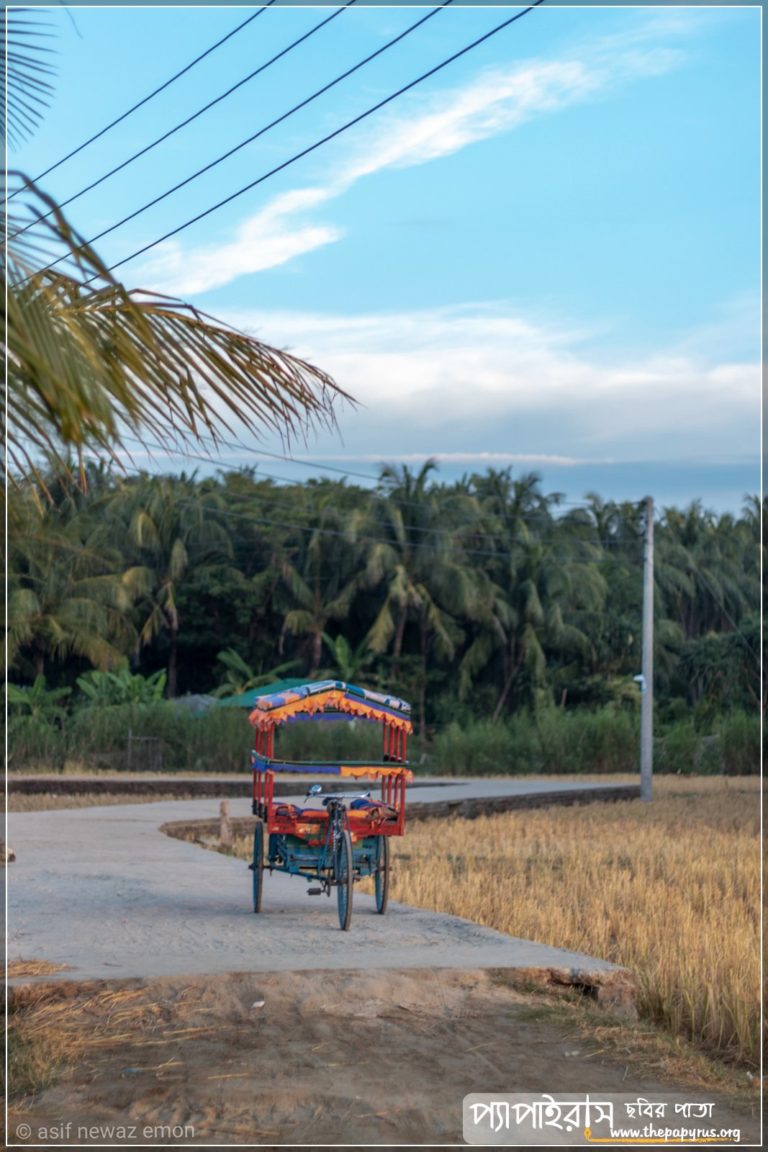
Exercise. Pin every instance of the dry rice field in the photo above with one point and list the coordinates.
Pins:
(671, 890)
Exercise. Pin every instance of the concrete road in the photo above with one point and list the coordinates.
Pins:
(104, 892)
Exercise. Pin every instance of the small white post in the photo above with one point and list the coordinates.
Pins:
(225, 828)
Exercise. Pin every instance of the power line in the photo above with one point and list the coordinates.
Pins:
(256, 135)
(184, 123)
(389, 501)
(156, 92)
(325, 139)
(414, 546)
(207, 459)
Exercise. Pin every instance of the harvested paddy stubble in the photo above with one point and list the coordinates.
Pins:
(670, 889)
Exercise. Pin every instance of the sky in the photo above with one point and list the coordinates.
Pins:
(546, 256)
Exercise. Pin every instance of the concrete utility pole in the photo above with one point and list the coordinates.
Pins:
(646, 705)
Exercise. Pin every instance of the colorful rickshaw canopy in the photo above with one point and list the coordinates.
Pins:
(329, 699)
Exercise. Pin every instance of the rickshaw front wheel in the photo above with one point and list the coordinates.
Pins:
(343, 878)
(257, 867)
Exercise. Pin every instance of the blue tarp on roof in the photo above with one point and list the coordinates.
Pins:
(248, 699)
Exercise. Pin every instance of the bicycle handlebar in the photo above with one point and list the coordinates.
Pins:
(328, 797)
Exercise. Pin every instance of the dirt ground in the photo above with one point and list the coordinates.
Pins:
(308, 1058)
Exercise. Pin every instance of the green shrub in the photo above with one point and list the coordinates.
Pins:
(321, 741)
(739, 734)
(554, 741)
(135, 737)
(486, 748)
(480, 749)
(604, 741)
(34, 740)
(560, 741)
(678, 750)
(709, 762)
(610, 740)
(36, 719)
(121, 687)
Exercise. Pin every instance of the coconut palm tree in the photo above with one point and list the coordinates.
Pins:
(532, 592)
(700, 571)
(321, 575)
(90, 362)
(174, 530)
(67, 594)
(417, 572)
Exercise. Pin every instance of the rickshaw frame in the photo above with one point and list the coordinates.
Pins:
(341, 842)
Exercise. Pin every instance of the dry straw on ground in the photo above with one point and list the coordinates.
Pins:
(18, 968)
(47, 801)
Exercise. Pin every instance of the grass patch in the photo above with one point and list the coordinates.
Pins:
(602, 742)
(33, 1062)
(18, 968)
(48, 801)
(49, 1030)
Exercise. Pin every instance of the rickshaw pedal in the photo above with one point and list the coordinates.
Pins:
(314, 891)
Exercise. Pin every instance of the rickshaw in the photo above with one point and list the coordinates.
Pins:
(341, 836)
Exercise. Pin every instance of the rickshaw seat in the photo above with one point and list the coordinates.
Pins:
(293, 812)
(360, 811)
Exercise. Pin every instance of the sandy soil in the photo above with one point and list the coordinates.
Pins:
(303, 1058)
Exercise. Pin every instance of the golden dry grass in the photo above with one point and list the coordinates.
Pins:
(50, 1030)
(48, 801)
(19, 968)
(671, 890)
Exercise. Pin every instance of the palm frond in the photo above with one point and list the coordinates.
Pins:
(90, 361)
(25, 72)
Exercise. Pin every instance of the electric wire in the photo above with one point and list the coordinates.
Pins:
(183, 124)
(258, 451)
(319, 143)
(387, 501)
(327, 138)
(256, 135)
(413, 545)
(155, 92)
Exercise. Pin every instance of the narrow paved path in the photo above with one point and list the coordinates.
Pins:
(103, 891)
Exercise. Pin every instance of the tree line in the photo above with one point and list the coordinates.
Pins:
(477, 598)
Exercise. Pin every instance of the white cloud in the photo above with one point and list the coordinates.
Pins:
(497, 101)
(479, 459)
(266, 240)
(481, 379)
(445, 122)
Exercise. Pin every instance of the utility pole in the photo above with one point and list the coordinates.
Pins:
(646, 699)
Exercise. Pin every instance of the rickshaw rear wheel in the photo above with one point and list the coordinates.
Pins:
(343, 878)
(381, 879)
(257, 867)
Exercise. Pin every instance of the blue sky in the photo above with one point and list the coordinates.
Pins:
(545, 256)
